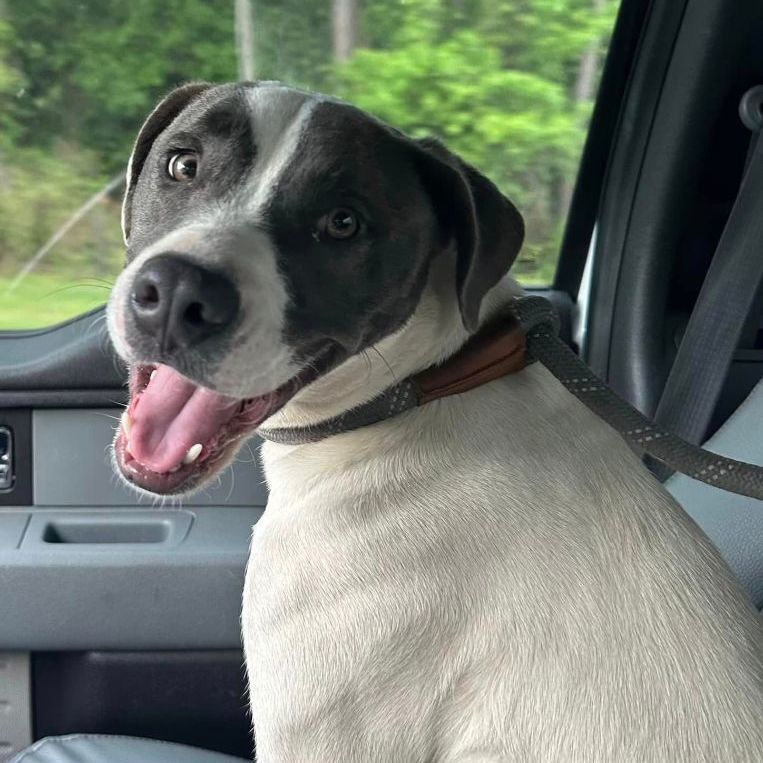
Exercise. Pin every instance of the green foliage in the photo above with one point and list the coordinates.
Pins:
(547, 37)
(496, 80)
(457, 91)
(293, 41)
(41, 189)
(11, 84)
(96, 67)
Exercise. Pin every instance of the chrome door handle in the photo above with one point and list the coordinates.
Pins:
(6, 459)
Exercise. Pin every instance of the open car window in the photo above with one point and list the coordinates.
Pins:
(507, 85)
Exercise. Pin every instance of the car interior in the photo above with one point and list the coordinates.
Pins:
(120, 616)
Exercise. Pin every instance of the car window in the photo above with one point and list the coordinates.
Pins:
(507, 84)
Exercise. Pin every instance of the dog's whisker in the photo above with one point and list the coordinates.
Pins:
(369, 364)
(232, 473)
(108, 282)
(71, 286)
(384, 360)
(107, 416)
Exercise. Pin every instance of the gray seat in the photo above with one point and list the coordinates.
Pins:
(96, 748)
(732, 522)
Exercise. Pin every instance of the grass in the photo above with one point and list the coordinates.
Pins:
(45, 299)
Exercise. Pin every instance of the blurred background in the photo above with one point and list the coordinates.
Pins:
(507, 84)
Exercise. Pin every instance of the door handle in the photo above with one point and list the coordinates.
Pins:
(7, 476)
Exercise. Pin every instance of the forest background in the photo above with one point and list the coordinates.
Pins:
(507, 84)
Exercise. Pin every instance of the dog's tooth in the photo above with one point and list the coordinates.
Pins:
(153, 373)
(126, 423)
(175, 469)
(193, 453)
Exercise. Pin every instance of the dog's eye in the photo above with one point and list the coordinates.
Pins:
(182, 166)
(341, 223)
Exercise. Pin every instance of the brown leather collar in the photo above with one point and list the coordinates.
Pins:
(495, 352)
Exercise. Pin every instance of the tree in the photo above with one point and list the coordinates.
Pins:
(345, 28)
(11, 86)
(293, 41)
(95, 69)
(245, 40)
(496, 81)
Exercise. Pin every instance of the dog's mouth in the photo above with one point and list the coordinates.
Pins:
(175, 433)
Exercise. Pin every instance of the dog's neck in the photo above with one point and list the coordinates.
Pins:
(433, 333)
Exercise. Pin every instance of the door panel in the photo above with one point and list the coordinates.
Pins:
(88, 563)
(178, 593)
(82, 475)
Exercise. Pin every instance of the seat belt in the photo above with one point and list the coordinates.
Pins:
(728, 294)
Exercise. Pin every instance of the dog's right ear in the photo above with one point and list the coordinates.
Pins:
(486, 227)
(160, 118)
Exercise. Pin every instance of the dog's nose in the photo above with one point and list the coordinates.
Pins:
(181, 303)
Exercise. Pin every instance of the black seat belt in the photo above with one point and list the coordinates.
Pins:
(727, 296)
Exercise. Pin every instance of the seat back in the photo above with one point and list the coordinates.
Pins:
(732, 522)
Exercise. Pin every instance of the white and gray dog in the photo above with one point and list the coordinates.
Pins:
(492, 576)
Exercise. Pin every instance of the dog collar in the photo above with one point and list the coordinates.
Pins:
(529, 333)
(497, 350)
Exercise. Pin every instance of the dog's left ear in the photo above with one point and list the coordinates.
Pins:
(487, 228)
(160, 118)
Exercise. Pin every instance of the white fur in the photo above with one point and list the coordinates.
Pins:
(277, 124)
(492, 577)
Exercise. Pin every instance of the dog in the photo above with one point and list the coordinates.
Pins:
(493, 576)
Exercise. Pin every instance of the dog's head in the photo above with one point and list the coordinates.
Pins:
(271, 235)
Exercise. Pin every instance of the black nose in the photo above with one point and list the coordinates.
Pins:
(181, 303)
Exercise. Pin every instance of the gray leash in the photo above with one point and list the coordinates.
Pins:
(540, 323)
(538, 319)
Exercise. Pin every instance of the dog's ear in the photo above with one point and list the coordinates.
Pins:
(160, 118)
(486, 227)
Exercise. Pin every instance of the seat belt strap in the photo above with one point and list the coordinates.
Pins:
(728, 293)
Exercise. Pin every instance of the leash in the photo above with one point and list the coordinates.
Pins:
(532, 335)
(539, 321)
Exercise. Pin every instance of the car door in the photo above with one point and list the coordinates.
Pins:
(689, 120)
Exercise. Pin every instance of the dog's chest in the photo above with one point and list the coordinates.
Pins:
(384, 601)
(355, 618)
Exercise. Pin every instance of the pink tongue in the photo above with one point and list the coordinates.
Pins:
(173, 414)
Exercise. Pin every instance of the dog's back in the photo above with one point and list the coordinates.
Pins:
(494, 577)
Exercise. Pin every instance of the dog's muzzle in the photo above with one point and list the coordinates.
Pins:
(175, 432)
